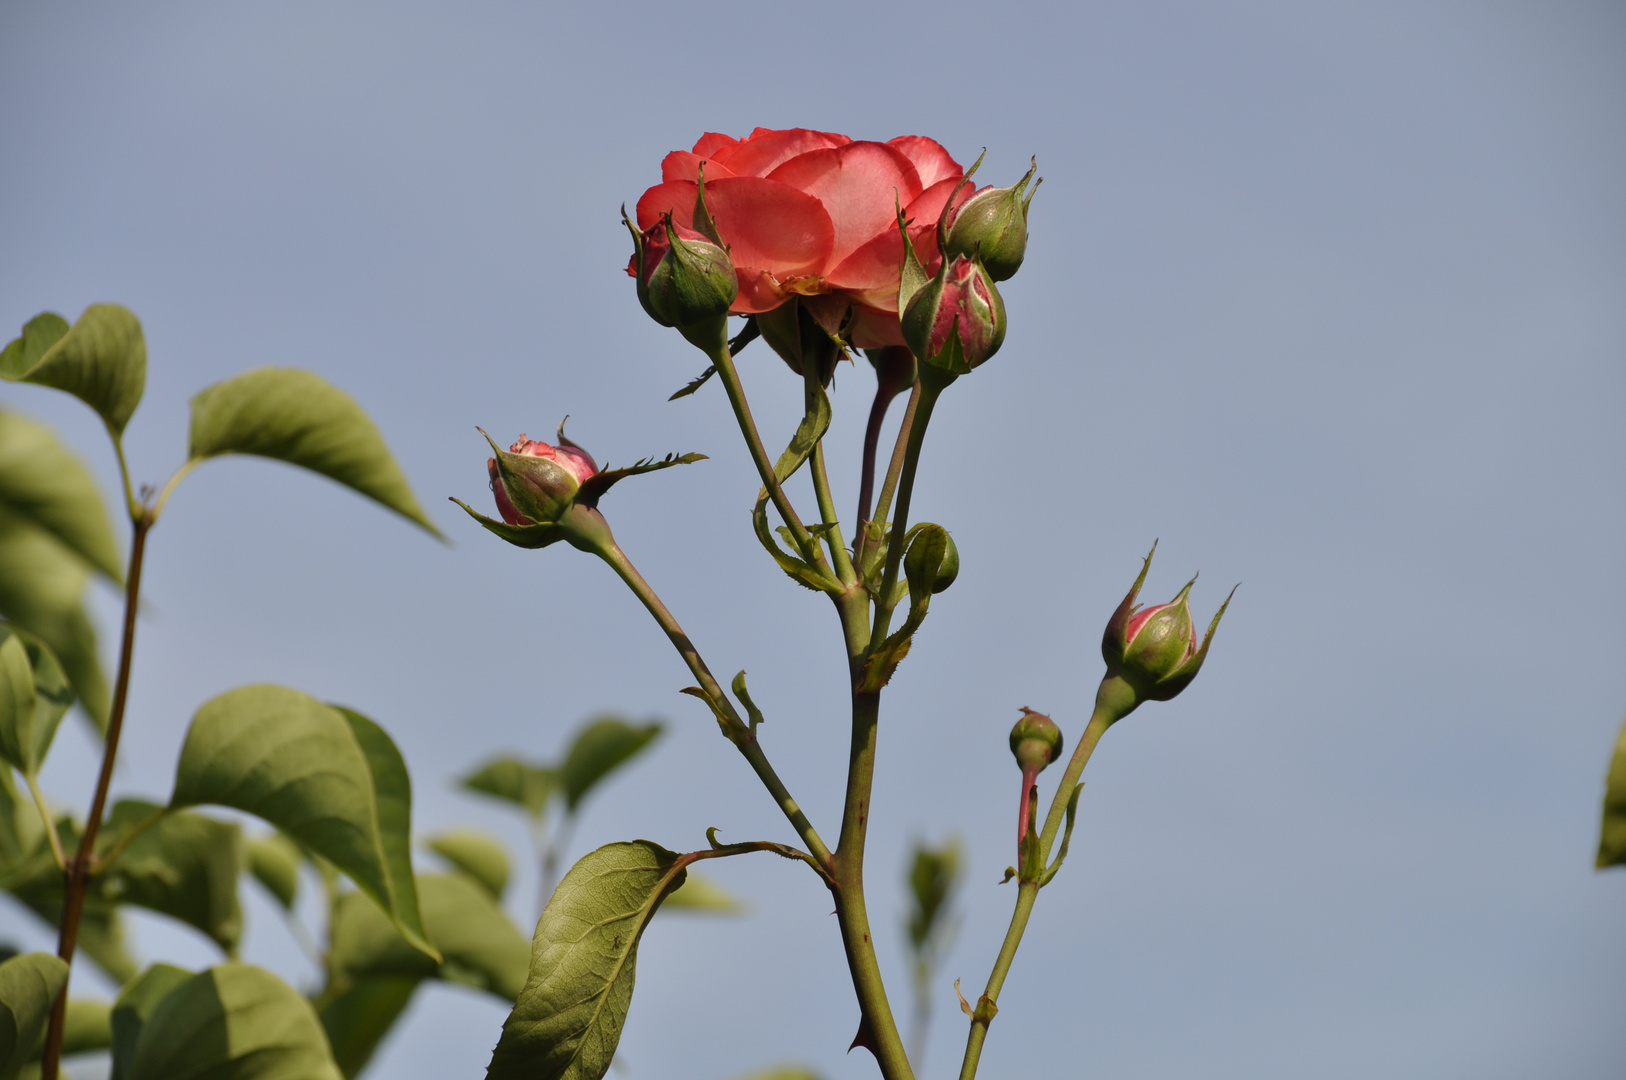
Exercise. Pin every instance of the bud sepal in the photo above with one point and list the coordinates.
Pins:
(1151, 653)
(993, 225)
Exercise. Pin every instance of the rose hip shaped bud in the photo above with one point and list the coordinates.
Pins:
(684, 280)
(957, 320)
(1036, 741)
(1152, 653)
(536, 483)
(931, 561)
(993, 223)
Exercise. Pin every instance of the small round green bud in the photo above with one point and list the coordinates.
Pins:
(1036, 741)
(931, 562)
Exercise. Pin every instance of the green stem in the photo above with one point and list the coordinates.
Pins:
(899, 448)
(1028, 891)
(50, 826)
(169, 487)
(927, 393)
(77, 877)
(129, 838)
(741, 736)
(133, 504)
(724, 361)
(827, 511)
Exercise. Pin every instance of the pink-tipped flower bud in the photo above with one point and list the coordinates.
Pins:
(993, 223)
(1153, 652)
(536, 483)
(957, 320)
(1036, 741)
(683, 278)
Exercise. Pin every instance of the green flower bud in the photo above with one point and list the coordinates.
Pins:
(683, 278)
(931, 561)
(957, 319)
(1036, 741)
(993, 223)
(1152, 653)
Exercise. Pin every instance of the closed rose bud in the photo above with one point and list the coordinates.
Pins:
(931, 561)
(993, 224)
(957, 320)
(1152, 653)
(683, 278)
(536, 483)
(1036, 741)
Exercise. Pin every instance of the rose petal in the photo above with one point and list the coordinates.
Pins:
(682, 165)
(764, 150)
(758, 292)
(930, 160)
(711, 142)
(861, 186)
(766, 225)
(873, 329)
(870, 274)
(928, 207)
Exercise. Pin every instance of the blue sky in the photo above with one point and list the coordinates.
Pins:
(1329, 298)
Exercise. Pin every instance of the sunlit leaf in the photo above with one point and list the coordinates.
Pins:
(34, 694)
(328, 777)
(29, 985)
(232, 1022)
(515, 781)
(703, 894)
(42, 588)
(274, 861)
(301, 418)
(357, 1020)
(87, 1026)
(1612, 843)
(479, 855)
(101, 360)
(134, 1005)
(185, 866)
(43, 483)
(599, 748)
(567, 1021)
(481, 947)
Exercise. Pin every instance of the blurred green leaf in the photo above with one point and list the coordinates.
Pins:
(42, 588)
(482, 948)
(514, 781)
(478, 854)
(44, 484)
(784, 1072)
(357, 1020)
(599, 748)
(327, 776)
(274, 861)
(232, 1022)
(87, 1026)
(703, 894)
(34, 694)
(185, 866)
(29, 985)
(1612, 842)
(301, 418)
(22, 833)
(101, 360)
(134, 1005)
(934, 875)
(567, 1022)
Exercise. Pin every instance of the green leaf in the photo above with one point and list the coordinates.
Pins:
(568, 1020)
(43, 483)
(800, 572)
(596, 485)
(34, 695)
(1612, 842)
(232, 1022)
(135, 1005)
(185, 866)
(297, 417)
(481, 946)
(815, 422)
(328, 777)
(526, 536)
(703, 894)
(29, 985)
(357, 1020)
(479, 855)
(42, 589)
(22, 833)
(934, 876)
(102, 360)
(785, 1072)
(512, 780)
(87, 1026)
(274, 861)
(600, 747)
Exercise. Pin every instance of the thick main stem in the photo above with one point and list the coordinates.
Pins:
(76, 879)
(1028, 891)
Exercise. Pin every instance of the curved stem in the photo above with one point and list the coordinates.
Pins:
(741, 736)
(899, 448)
(169, 486)
(1028, 891)
(77, 877)
(129, 838)
(921, 403)
(130, 501)
(50, 826)
(827, 511)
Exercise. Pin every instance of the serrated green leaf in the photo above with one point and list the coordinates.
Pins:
(87, 1026)
(43, 483)
(481, 947)
(815, 422)
(274, 861)
(232, 1022)
(357, 1020)
(599, 748)
(101, 360)
(515, 781)
(328, 777)
(594, 487)
(299, 417)
(799, 571)
(29, 985)
(703, 894)
(134, 1005)
(567, 1021)
(478, 854)
(42, 588)
(185, 866)
(1612, 841)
